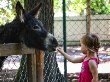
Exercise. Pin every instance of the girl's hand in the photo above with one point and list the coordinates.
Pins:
(60, 50)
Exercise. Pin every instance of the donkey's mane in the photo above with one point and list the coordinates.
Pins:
(9, 33)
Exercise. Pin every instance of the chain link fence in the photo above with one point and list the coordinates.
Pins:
(9, 69)
(77, 24)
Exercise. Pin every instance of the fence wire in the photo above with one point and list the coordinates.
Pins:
(53, 62)
(79, 21)
(9, 69)
(51, 69)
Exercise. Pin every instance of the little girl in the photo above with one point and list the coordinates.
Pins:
(89, 46)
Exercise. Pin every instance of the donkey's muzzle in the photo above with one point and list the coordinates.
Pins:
(52, 43)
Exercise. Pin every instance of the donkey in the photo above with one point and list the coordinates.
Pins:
(26, 28)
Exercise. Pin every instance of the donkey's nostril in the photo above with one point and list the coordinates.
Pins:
(54, 49)
(54, 41)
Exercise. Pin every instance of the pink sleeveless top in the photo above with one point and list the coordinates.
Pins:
(85, 74)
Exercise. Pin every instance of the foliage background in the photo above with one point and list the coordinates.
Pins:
(7, 10)
(78, 7)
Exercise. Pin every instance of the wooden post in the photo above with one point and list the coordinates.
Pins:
(88, 23)
(29, 68)
(37, 66)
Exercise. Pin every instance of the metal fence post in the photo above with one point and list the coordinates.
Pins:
(64, 38)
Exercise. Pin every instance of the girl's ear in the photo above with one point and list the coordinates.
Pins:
(87, 49)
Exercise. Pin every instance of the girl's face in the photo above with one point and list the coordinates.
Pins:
(83, 48)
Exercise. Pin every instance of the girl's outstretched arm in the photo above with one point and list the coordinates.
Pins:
(70, 58)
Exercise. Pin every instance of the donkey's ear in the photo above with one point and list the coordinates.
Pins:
(20, 11)
(35, 12)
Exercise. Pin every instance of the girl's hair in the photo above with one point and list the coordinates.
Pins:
(91, 41)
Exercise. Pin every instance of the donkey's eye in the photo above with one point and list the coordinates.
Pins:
(35, 27)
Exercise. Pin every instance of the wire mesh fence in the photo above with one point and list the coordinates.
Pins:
(9, 69)
(83, 17)
(51, 69)
(76, 28)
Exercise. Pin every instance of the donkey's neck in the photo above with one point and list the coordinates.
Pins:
(9, 33)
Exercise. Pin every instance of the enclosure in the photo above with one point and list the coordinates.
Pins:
(71, 20)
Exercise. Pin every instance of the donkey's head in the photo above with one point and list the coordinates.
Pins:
(33, 34)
